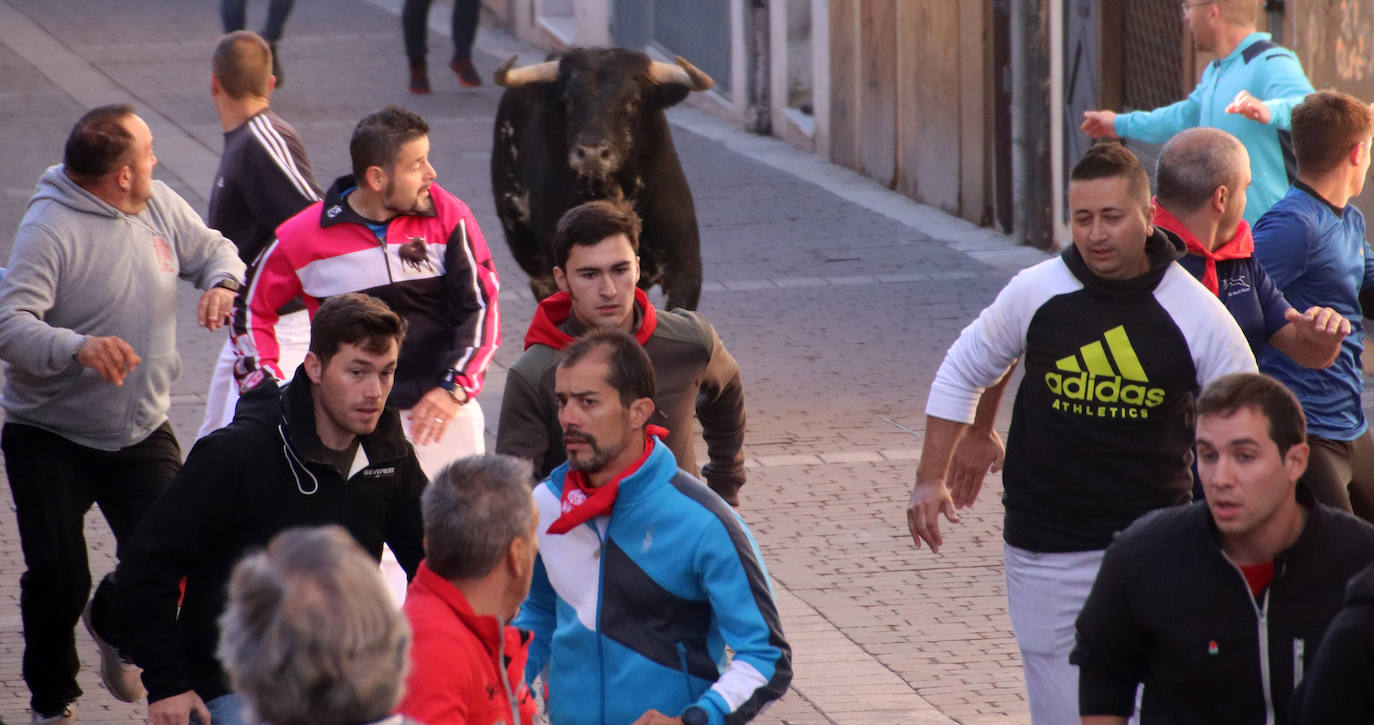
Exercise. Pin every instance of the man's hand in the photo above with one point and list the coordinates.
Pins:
(177, 710)
(1319, 325)
(215, 307)
(430, 416)
(654, 717)
(1250, 107)
(929, 500)
(1099, 124)
(977, 455)
(109, 356)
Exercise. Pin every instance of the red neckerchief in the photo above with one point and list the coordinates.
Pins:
(581, 502)
(1240, 246)
(556, 308)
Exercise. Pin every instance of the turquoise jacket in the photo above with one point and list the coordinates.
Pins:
(1270, 73)
(634, 610)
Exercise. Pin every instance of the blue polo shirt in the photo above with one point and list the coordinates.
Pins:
(1318, 255)
(1249, 295)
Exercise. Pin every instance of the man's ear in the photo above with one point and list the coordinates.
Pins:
(1220, 195)
(560, 279)
(1295, 460)
(215, 87)
(125, 177)
(640, 410)
(517, 557)
(374, 178)
(1356, 154)
(314, 369)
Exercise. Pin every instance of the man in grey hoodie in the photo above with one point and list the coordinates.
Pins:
(88, 329)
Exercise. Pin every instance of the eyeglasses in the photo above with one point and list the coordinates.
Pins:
(1187, 6)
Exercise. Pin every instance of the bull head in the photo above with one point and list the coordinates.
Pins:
(606, 97)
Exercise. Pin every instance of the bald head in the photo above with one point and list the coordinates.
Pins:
(1239, 12)
(1194, 163)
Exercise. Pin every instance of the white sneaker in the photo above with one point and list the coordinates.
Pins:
(68, 715)
(122, 678)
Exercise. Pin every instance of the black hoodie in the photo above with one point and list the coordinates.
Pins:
(265, 472)
(1337, 688)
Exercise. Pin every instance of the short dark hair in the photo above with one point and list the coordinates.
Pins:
(1107, 160)
(1229, 393)
(243, 64)
(472, 510)
(378, 138)
(590, 223)
(354, 319)
(631, 373)
(99, 143)
(1326, 125)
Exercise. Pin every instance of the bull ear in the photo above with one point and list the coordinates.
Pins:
(508, 77)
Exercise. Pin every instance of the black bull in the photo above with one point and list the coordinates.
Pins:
(589, 125)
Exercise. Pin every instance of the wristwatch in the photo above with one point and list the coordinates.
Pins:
(455, 391)
(695, 715)
(230, 284)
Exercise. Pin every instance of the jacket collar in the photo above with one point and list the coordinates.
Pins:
(385, 443)
(335, 210)
(555, 326)
(489, 629)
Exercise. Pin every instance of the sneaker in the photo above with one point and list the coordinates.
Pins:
(276, 66)
(467, 72)
(121, 677)
(419, 78)
(67, 715)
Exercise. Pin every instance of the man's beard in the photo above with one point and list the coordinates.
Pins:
(417, 205)
(600, 457)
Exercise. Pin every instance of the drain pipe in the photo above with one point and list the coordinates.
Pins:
(1032, 178)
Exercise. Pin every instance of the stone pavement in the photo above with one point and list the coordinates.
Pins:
(837, 297)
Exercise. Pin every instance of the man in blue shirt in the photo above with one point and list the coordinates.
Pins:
(1202, 178)
(1312, 245)
(1249, 91)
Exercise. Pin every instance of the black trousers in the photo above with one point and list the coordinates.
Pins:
(1341, 473)
(415, 22)
(232, 13)
(54, 482)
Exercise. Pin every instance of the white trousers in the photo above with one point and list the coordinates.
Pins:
(462, 437)
(293, 337)
(1045, 592)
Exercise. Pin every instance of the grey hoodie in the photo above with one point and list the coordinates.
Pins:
(81, 267)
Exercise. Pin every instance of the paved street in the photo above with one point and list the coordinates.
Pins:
(837, 297)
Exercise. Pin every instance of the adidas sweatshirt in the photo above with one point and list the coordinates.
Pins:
(1102, 428)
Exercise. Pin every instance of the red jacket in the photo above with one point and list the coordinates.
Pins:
(456, 675)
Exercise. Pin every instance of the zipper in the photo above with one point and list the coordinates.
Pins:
(501, 670)
(1262, 623)
(600, 645)
(1299, 647)
(381, 244)
(686, 678)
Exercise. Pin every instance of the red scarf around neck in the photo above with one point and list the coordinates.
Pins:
(581, 502)
(1240, 246)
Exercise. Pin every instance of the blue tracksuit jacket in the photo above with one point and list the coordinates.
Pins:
(633, 610)
(1270, 73)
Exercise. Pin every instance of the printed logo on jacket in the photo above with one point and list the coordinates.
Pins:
(1103, 379)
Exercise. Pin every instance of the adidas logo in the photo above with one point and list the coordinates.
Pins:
(1104, 380)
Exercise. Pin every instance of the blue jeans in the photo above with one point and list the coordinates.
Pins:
(224, 710)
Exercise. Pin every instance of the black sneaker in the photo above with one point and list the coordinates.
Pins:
(65, 717)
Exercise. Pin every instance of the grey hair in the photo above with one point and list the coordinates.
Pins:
(1193, 164)
(310, 635)
(472, 511)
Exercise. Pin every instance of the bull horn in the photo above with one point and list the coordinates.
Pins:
(683, 73)
(508, 77)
